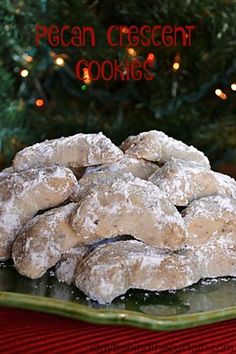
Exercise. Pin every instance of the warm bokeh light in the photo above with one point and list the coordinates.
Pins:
(151, 57)
(39, 102)
(24, 73)
(86, 77)
(176, 66)
(59, 61)
(87, 81)
(131, 52)
(28, 58)
(233, 86)
(223, 96)
(218, 92)
(125, 29)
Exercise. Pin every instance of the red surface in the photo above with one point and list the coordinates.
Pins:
(31, 332)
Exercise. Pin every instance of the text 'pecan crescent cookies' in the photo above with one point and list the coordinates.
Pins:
(129, 207)
(23, 194)
(157, 146)
(184, 181)
(43, 240)
(209, 217)
(111, 269)
(75, 151)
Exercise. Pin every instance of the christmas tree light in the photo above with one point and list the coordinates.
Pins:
(39, 102)
(233, 86)
(59, 61)
(24, 73)
(176, 66)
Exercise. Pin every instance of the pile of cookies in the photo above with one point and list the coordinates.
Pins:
(150, 215)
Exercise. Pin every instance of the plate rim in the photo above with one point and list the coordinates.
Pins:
(114, 316)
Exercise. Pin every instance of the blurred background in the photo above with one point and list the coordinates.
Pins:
(192, 97)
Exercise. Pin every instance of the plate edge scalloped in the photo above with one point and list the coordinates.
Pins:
(114, 316)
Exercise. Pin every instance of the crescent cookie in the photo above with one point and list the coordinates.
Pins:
(66, 268)
(92, 180)
(128, 164)
(184, 182)
(157, 146)
(43, 240)
(111, 269)
(217, 257)
(129, 206)
(23, 194)
(6, 172)
(209, 217)
(79, 150)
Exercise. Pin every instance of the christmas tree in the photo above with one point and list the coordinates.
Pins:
(191, 96)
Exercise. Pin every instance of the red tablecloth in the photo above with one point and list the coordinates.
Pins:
(31, 332)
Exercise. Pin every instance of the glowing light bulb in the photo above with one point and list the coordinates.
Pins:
(86, 78)
(59, 61)
(151, 57)
(39, 102)
(223, 96)
(176, 66)
(24, 73)
(233, 86)
(125, 29)
(131, 52)
(218, 92)
(28, 58)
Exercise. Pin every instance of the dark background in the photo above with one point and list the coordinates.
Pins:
(180, 102)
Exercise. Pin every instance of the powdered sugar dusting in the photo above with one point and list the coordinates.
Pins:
(157, 146)
(22, 196)
(186, 181)
(75, 151)
(114, 268)
(129, 206)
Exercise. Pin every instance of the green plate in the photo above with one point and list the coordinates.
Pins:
(206, 302)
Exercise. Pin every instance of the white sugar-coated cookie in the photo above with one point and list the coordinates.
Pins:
(138, 167)
(217, 257)
(111, 269)
(209, 218)
(157, 146)
(23, 194)
(79, 150)
(6, 172)
(129, 206)
(43, 240)
(184, 182)
(96, 179)
(66, 268)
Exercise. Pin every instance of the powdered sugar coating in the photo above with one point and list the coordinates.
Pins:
(111, 269)
(217, 257)
(184, 182)
(92, 180)
(129, 206)
(74, 151)
(157, 146)
(128, 164)
(23, 194)
(209, 218)
(6, 172)
(43, 240)
(65, 269)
